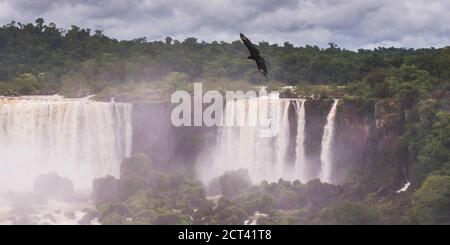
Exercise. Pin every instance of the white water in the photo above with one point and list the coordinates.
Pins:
(327, 140)
(52, 212)
(242, 147)
(300, 161)
(404, 188)
(79, 139)
(282, 139)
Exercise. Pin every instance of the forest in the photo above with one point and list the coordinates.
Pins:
(42, 59)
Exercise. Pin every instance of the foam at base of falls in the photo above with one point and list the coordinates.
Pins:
(24, 210)
(79, 139)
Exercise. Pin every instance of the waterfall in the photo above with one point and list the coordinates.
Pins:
(282, 139)
(266, 158)
(327, 140)
(300, 160)
(79, 139)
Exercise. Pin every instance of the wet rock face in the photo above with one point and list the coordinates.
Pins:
(316, 112)
(352, 138)
(52, 186)
(153, 133)
(361, 130)
(364, 133)
(356, 126)
(168, 146)
(387, 123)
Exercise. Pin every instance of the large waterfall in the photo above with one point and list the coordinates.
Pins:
(243, 147)
(77, 138)
(268, 158)
(327, 140)
(300, 159)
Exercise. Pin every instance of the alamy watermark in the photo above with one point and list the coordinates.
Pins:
(237, 109)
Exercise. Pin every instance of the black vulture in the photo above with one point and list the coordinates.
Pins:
(254, 55)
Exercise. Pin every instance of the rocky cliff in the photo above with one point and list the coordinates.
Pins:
(366, 138)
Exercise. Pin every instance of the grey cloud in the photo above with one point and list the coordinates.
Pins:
(350, 23)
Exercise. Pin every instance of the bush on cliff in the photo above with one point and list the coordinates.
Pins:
(347, 213)
(431, 202)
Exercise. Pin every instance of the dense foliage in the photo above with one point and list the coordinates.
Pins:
(431, 201)
(154, 197)
(42, 58)
(144, 195)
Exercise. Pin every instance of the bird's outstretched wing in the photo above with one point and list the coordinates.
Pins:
(261, 63)
(253, 50)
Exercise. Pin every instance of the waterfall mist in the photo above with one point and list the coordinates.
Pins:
(265, 158)
(79, 139)
(241, 147)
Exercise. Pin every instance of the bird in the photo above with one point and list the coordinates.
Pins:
(254, 55)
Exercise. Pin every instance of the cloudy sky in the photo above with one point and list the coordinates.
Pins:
(351, 24)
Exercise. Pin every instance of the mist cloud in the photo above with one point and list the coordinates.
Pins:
(351, 24)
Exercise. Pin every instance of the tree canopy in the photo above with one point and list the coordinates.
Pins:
(78, 58)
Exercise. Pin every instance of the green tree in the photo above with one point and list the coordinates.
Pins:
(428, 142)
(347, 213)
(136, 173)
(431, 202)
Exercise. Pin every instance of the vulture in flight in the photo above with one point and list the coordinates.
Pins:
(254, 55)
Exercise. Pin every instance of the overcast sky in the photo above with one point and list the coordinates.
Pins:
(351, 24)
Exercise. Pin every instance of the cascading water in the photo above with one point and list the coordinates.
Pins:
(79, 139)
(242, 147)
(300, 160)
(282, 139)
(327, 140)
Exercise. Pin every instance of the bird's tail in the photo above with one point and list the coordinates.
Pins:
(265, 75)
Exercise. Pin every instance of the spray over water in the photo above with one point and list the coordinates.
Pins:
(79, 139)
